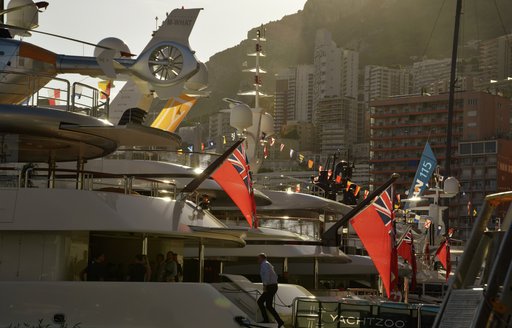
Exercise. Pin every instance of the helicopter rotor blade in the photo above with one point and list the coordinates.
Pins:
(123, 53)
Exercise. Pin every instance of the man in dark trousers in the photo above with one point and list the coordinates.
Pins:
(269, 280)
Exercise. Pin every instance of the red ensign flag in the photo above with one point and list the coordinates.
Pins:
(374, 226)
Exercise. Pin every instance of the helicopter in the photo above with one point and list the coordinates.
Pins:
(166, 67)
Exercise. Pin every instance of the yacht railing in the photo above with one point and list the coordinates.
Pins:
(33, 177)
(46, 90)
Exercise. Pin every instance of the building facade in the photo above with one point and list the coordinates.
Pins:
(495, 59)
(293, 99)
(304, 77)
(401, 126)
(427, 72)
(485, 167)
(336, 123)
(218, 129)
(381, 82)
(336, 71)
(284, 100)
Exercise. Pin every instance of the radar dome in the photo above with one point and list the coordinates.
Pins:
(198, 81)
(451, 186)
(267, 124)
(241, 117)
(26, 17)
(112, 43)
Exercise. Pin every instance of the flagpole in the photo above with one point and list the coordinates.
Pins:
(195, 183)
(331, 237)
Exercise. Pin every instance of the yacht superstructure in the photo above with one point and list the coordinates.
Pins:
(54, 221)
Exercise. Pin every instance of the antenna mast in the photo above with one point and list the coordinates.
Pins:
(451, 99)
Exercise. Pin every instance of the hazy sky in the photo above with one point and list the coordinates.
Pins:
(222, 23)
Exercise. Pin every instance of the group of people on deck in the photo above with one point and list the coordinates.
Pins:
(168, 269)
(164, 269)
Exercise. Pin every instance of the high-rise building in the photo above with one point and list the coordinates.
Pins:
(303, 132)
(495, 59)
(336, 123)
(429, 71)
(335, 94)
(485, 167)
(335, 71)
(219, 128)
(401, 126)
(349, 73)
(304, 78)
(328, 64)
(381, 82)
(294, 96)
(284, 100)
(363, 122)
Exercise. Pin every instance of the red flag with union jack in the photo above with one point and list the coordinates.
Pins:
(374, 226)
(443, 254)
(406, 250)
(234, 176)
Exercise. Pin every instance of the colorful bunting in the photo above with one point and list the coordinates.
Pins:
(356, 190)
(53, 97)
(105, 87)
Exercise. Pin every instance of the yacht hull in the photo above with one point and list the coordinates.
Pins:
(114, 304)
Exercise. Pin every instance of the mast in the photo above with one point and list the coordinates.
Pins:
(451, 105)
(254, 132)
(2, 8)
(257, 80)
(451, 99)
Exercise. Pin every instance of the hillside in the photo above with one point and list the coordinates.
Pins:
(385, 32)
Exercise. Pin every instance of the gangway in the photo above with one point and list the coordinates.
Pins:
(480, 294)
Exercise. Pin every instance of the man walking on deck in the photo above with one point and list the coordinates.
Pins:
(269, 280)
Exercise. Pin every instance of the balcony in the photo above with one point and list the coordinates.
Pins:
(412, 136)
(394, 125)
(412, 113)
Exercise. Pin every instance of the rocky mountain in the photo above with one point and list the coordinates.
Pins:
(385, 32)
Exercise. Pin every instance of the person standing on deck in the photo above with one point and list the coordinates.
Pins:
(171, 269)
(269, 280)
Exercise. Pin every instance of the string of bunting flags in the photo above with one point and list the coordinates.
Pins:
(300, 157)
(273, 143)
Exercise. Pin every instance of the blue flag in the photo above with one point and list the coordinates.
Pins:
(426, 168)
